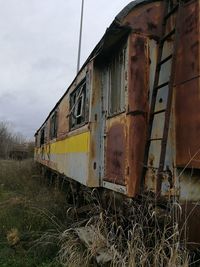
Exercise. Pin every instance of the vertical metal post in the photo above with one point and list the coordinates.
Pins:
(80, 37)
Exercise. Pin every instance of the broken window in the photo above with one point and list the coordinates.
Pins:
(53, 125)
(78, 106)
(116, 72)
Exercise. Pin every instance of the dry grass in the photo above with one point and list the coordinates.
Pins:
(140, 235)
(38, 224)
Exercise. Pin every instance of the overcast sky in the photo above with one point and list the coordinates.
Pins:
(38, 53)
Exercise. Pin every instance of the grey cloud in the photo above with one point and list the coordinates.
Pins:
(38, 44)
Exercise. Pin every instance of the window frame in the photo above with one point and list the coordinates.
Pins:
(122, 50)
(80, 92)
(53, 129)
(42, 136)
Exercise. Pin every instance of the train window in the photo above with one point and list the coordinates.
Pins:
(78, 106)
(46, 133)
(53, 125)
(42, 134)
(37, 140)
(117, 82)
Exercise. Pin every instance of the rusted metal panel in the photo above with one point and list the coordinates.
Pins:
(114, 106)
(135, 152)
(137, 113)
(189, 41)
(116, 150)
(188, 124)
(187, 92)
(138, 74)
(114, 130)
(146, 19)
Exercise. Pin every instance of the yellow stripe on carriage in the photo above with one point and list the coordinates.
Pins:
(74, 144)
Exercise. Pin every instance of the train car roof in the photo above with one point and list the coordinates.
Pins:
(115, 29)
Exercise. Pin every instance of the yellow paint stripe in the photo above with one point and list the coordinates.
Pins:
(74, 144)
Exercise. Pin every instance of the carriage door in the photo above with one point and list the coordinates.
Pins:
(114, 133)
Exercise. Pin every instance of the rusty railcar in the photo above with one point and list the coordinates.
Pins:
(97, 133)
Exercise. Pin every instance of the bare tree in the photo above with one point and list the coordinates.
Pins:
(9, 140)
(6, 141)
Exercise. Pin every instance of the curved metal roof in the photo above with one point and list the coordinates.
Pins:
(127, 9)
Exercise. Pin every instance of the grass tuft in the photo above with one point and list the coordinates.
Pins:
(140, 235)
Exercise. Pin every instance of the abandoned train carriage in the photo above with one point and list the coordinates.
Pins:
(133, 110)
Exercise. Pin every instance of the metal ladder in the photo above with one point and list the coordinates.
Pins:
(170, 10)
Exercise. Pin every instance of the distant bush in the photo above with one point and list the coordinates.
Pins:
(13, 145)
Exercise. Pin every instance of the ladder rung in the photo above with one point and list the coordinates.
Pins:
(165, 60)
(174, 9)
(155, 139)
(159, 111)
(161, 85)
(169, 34)
(170, 12)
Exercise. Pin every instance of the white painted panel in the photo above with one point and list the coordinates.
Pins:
(73, 165)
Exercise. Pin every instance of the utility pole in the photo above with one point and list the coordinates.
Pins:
(80, 37)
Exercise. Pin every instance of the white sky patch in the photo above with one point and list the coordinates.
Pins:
(38, 44)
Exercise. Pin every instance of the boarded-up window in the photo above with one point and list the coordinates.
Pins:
(53, 125)
(117, 82)
(78, 106)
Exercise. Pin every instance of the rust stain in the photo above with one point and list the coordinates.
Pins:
(136, 144)
(115, 154)
(187, 93)
(188, 124)
(138, 74)
(137, 110)
(146, 19)
(188, 46)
